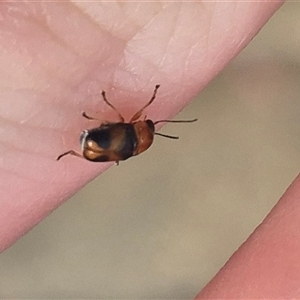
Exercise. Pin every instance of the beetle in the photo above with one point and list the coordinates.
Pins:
(115, 141)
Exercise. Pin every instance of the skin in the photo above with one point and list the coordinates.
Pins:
(267, 265)
(55, 60)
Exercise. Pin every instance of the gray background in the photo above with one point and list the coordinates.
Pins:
(162, 224)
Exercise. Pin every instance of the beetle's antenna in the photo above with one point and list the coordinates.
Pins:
(172, 121)
(176, 121)
(167, 136)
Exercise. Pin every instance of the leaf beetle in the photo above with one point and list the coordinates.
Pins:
(115, 141)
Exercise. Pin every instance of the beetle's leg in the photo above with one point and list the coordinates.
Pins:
(122, 120)
(117, 162)
(88, 117)
(139, 113)
(71, 152)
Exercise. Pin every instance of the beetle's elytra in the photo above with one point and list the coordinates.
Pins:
(120, 140)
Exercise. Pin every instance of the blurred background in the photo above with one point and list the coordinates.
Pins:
(162, 224)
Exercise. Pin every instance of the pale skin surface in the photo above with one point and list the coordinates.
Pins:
(55, 60)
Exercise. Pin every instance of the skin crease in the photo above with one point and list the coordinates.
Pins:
(55, 60)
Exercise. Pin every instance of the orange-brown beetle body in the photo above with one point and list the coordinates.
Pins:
(119, 141)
